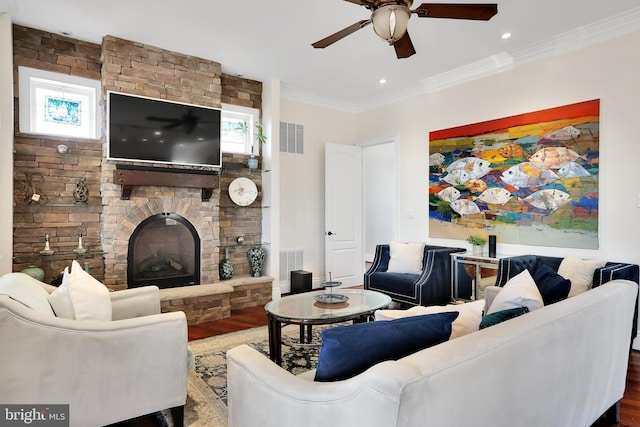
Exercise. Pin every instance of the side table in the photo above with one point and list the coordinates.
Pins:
(482, 269)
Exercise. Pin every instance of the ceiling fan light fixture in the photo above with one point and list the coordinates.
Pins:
(390, 22)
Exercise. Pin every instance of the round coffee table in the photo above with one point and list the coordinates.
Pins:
(304, 310)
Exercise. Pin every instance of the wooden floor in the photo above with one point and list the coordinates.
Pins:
(245, 318)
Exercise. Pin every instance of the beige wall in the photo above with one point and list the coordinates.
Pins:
(302, 180)
(608, 70)
(6, 144)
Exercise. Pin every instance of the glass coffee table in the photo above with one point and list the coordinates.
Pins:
(308, 309)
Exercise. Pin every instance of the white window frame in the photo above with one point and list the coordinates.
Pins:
(251, 116)
(34, 85)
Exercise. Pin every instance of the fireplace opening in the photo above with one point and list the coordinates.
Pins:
(164, 250)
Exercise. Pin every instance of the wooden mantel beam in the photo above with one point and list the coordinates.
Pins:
(129, 178)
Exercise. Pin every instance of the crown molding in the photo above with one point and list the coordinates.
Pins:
(597, 32)
(605, 29)
(306, 97)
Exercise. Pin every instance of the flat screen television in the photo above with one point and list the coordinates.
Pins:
(144, 129)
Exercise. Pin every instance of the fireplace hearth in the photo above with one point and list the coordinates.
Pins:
(164, 250)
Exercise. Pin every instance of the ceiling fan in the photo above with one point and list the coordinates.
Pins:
(390, 19)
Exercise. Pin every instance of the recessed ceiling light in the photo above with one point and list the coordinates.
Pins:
(505, 36)
(382, 81)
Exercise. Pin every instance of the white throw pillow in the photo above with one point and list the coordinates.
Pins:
(25, 289)
(89, 297)
(405, 257)
(519, 291)
(467, 321)
(580, 272)
(60, 299)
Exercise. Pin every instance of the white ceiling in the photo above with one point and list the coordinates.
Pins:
(266, 39)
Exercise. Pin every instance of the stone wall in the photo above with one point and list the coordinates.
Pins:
(130, 67)
(140, 69)
(37, 165)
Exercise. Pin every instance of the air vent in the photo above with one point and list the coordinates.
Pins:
(291, 138)
(290, 259)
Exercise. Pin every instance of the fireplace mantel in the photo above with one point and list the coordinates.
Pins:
(129, 177)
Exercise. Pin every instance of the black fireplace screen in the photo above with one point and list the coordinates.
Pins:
(164, 250)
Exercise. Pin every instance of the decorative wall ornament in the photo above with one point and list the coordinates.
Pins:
(530, 178)
(28, 190)
(81, 193)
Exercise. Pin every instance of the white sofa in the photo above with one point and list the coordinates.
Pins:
(562, 365)
(106, 371)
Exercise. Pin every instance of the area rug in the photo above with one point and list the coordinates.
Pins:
(207, 388)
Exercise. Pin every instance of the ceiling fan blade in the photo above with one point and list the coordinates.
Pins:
(360, 2)
(327, 41)
(476, 11)
(403, 46)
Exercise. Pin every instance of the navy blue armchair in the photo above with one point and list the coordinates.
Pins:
(511, 266)
(431, 287)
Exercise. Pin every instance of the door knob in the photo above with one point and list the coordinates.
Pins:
(329, 233)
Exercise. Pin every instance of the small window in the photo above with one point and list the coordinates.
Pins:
(238, 129)
(58, 104)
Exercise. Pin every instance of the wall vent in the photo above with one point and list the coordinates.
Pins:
(290, 259)
(291, 138)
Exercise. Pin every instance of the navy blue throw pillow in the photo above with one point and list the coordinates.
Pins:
(501, 316)
(552, 286)
(349, 350)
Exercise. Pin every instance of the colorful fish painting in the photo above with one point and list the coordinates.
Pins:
(565, 134)
(436, 159)
(549, 199)
(449, 194)
(527, 174)
(510, 150)
(492, 156)
(474, 167)
(457, 177)
(465, 207)
(531, 178)
(475, 185)
(553, 157)
(495, 195)
(573, 170)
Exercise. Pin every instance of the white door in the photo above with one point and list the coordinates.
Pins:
(343, 214)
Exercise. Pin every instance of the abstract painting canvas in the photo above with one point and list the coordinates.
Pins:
(530, 179)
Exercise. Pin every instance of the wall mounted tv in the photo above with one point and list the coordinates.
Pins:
(143, 129)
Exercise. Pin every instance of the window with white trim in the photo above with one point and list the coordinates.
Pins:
(58, 104)
(238, 129)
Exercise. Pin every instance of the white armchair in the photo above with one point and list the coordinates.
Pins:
(107, 371)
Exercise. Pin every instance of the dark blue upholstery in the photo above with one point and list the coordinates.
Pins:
(509, 267)
(431, 287)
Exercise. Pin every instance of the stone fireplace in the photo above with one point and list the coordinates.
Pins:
(164, 250)
(121, 219)
(114, 213)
